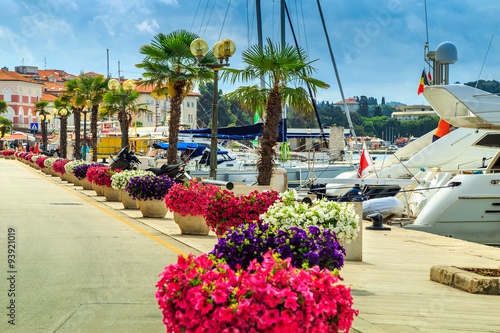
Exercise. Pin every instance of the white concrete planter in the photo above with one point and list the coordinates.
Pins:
(86, 184)
(111, 194)
(191, 224)
(153, 208)
(354, 250)
(99, 190)
(127, 201)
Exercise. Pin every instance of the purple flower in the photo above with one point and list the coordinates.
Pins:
(149, 187)
(306, 248)
(80, 171)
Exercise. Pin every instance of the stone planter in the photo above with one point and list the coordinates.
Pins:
(127, 201)
(354, 249)
(111, 194)
(99, 190)
(86, 184)
(75, 180)
(153, 208)
(191, 224)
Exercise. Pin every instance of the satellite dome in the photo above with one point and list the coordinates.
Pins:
(446, 53)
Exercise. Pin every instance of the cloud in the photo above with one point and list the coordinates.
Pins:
(148, 27)
(170, 2)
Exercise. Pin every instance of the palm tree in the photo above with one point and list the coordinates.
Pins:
(5, 126)
(280, 66)
(3, 107)
(73, 96)
(113, 105)
(171, 69)
(59, 104)
(40, 108)
(93, 88)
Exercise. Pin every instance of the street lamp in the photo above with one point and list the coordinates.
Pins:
(128, 86)
(222, 50)
(61, 114)
(84, 111)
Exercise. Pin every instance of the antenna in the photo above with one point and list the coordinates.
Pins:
(45, 62)
(488, 50)
(22, 62)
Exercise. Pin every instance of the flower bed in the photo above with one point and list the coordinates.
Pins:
(338, 217)
(101, 175)
(149, 187)
(7, 152)
(119, 181)
(190, 197)
(70, 166)
(225, 209)
(33, 158)
(49, 162)
(306, 248)
(59, 166)
(201, 295)
(40, 161)
(80, 171)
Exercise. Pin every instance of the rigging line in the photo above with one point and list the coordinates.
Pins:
(208, 21)
(204, 13)
(488, 50)
(248, 28)
(222, 106)
(194, 17)
(225, 16)
(304, 26)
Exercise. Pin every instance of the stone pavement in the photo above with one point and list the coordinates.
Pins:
(391, 287)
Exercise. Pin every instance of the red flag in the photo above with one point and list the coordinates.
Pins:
(423, 82)
(365, 163)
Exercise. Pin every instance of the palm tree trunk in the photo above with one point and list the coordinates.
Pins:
(175, 120)
(93, 130)
(64, 136)
(265, 163)
(78, 144)
(44, 135)
(124, 124)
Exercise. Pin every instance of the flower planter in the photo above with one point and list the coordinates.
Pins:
(191, 224)
(111, 194)
(99, 190)
(127, 201)
(153, 208)
(86, 184)
(75, 180)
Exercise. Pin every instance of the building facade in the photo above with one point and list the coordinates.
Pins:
(412, 112)
(352, 104)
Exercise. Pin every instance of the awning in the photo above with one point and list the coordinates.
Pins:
(18, 136)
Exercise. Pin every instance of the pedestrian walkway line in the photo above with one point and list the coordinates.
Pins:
(161, 241)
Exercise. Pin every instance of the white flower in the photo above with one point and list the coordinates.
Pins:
(120, 180)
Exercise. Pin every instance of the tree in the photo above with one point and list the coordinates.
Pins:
(113, 105)
(77, 102)
(93, 89)
(171, 69)
(59, 104)
(3, 107)
(40, 109)
(491, 86)
(377, 112)
(383, 101)
(363, 107)
(5, 126)
(280, 66)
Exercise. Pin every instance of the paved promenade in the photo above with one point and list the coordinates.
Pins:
(94, 265)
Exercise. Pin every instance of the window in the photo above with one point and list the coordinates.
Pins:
(165, 105)
(490, 140)
(20, 96)
(7, 95)
(29, 96)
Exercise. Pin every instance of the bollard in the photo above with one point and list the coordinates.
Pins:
(378, 222)
(228, 185)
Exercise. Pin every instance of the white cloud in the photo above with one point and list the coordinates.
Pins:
(170, 2)
(149, 27)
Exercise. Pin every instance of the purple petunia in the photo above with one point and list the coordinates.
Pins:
(80, 171)
(306, 248)
(149, 187)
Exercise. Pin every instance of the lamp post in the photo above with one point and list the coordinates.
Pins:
(84, 111)
(128, 86)
(44, 119)
(222, 50)
(62, 133)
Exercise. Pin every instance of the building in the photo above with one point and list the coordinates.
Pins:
(21, 94)
(352, 104)
(160, 107)
(412, 112)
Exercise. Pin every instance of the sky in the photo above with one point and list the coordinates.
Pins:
(378, 45)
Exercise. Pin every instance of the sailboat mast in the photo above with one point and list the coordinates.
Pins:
(338, 78)
(259, 34)
(308, 88)
(282, 19)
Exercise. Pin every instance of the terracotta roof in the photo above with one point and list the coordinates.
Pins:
(92, 74)
(48, 97)
(14, 76)
(350, 100)
(45, 73)
(149, 89)
(53, 87)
